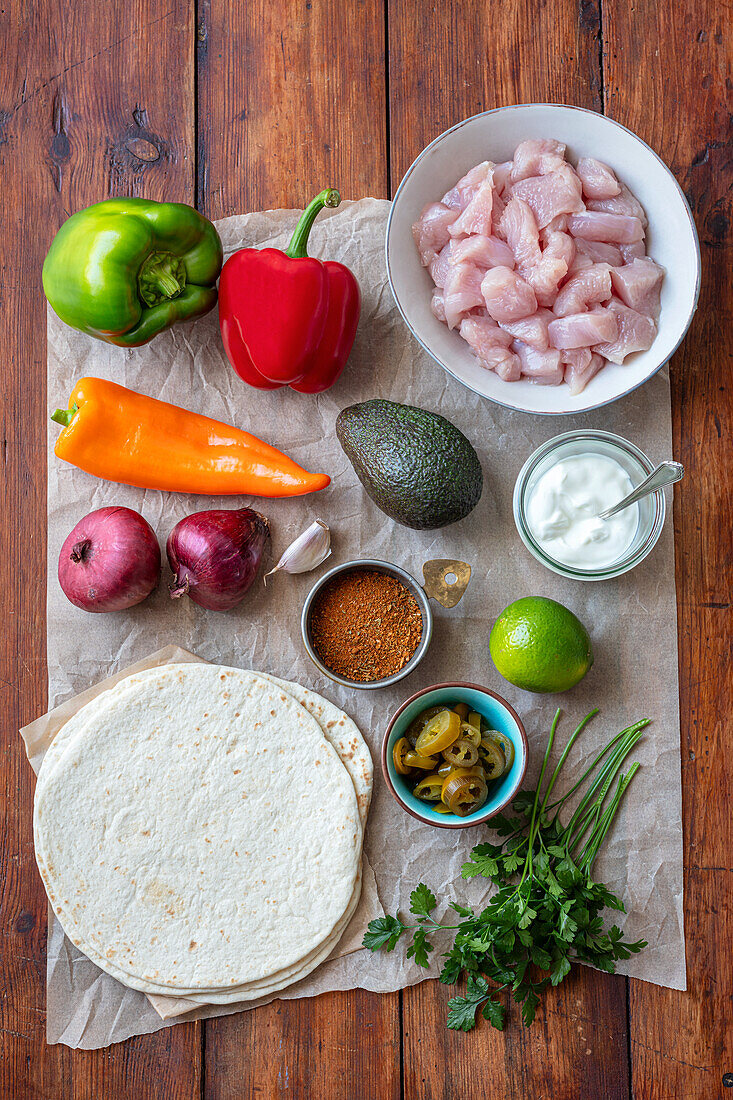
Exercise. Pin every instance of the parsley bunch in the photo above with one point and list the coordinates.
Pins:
(546, 912)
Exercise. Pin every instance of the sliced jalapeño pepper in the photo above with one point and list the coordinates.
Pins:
(418, 724)
(492, 758)
(462, 754)
(440, 732)
(399, 752)
(413, 759)
(429, 789)
(464, 791)
(470, 733)
(505, 744)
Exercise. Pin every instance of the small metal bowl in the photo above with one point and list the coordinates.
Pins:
(372, 565)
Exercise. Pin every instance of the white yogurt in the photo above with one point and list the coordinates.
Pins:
(563, 506)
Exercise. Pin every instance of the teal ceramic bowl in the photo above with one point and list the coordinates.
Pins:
(498, 714)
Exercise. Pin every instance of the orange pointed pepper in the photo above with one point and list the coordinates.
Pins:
(124, 436)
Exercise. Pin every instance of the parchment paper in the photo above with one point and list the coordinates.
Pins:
(632, 619)
(38, 736)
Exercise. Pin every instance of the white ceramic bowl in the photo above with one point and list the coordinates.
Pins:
(494, 135)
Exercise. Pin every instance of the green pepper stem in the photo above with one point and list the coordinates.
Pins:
(298, 247)
(161, 278)
(65, 416)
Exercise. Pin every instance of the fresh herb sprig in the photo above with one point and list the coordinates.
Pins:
(546, 912)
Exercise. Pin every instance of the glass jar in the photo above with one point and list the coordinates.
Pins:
(631, 459)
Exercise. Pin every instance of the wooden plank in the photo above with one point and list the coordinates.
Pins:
(575, 1050)
(292, 98)
(330, 1047)
(448, 62)
(84, 113)
(682, 1043)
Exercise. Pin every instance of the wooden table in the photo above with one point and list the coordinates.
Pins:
(237, 105)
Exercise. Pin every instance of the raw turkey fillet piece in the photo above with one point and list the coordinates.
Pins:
(541, 267)
(507, 296)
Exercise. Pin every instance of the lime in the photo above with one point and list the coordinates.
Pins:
(540, 646)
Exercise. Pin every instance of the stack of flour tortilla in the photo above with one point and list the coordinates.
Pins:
(199, 831)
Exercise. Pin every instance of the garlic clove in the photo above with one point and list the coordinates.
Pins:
(307, 552)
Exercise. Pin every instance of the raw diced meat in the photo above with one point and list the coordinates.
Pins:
(537, 157)
(625, 203)
(431, 230)
(580, 263)
(497, 207)
(635, 333)
(600, 252)
(563, 281)
(483, 251)
(482, 333)
(550, 195)
(638, 285)
(531, 330)
(437, 306)
(459, 196)
(583, 330)
(634, 251)
(546, 276)
(507, 297)
(595, 225)
(599, 181)
(579, 358)
(583, 290)
(476, 218)
(542, 367)
(559, 224)
(501, 176)
(506, 364)
(519, 229)
(578, 377)
(440, 265)
(491, 346)
(462, 292)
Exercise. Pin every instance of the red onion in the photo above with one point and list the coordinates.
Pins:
(215, 556)
(110, 561)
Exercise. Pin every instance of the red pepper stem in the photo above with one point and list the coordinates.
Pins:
(298, 247)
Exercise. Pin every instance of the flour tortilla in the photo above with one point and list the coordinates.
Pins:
(338, 728)
(344, 735)
(346, 738)
(130, 764)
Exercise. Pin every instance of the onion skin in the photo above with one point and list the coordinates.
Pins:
(110, 561)
(216, 555)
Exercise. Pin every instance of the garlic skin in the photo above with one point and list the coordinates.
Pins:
(307, 552)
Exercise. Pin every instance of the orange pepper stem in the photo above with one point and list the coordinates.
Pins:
(65, 416)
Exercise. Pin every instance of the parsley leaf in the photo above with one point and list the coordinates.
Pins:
(495, 1013)
(559, 969)
(529, 1007)
(383, 932)
(483, 862)
(462, 1010)
(422, 901)
(420, 947)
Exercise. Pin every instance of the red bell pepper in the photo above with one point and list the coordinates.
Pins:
(288, 319)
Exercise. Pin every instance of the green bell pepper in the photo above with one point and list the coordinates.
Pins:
(124, 270)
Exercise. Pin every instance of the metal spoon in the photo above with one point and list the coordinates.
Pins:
(666, 473)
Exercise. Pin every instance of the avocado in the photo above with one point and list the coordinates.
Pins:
(417, 467)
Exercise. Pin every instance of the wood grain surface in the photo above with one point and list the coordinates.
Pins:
(239, 106)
